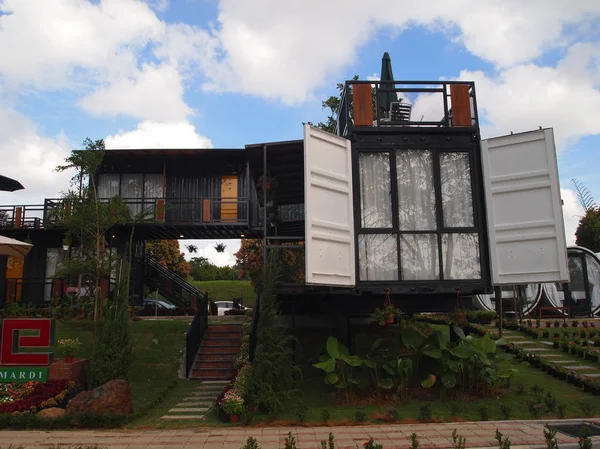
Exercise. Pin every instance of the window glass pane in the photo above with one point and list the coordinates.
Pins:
(108, 186)
(132, 189)
(419, 257)
(375, 190)
(153, 185)
(593, 272)
(457, 197)
(378, 257)
(460, 255)
(416, 194)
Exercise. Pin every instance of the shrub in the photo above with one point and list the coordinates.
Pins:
(414, 442)
(330, 443)
(484, 413)
(550, 437)
(425, 413)
(562, 410)
(587, 408)
(503, 443)
(556, 323)
(301, 411)
(290, 442)
(360, 415)
(458, 442)
(251, 443)
(575, 323)
(548, 324)
(371, 444)
(325, 416)
(112, 352)
(506, 411)
(550, 402)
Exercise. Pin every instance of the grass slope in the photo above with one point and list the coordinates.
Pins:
(227, 290)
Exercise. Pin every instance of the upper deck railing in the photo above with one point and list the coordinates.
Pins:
(171, 211)
(385, 105)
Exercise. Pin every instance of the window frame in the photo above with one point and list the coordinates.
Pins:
(463, 144)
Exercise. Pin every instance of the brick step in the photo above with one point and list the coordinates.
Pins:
(220, 349)
(223, 338)
(214, 364)
(203, 357)
(223, 328)
(213, 373)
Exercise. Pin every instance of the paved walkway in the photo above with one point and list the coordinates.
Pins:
(198, 402)
(431, 436)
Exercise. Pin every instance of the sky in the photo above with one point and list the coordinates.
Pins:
(226, 73)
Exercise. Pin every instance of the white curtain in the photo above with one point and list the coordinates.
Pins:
(419, 257)
(593, 272)
(375, 190)
(108, 186)
(460, 256)
(416, 193)
(54, 260)
(457, 197)
(378, 257)
(132, 189)
(153, 189)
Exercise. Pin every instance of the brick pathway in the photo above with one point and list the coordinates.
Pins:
(431, 436)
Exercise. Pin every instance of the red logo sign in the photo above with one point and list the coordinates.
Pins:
(12, 341)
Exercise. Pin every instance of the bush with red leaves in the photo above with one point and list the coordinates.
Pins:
(44, 394)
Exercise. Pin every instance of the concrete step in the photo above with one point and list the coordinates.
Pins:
(188, 410)
(183, 417)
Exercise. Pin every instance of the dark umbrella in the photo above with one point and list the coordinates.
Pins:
(9, 185)
(385, 98)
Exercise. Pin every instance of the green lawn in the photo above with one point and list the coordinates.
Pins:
(158, 351)
(227, 290)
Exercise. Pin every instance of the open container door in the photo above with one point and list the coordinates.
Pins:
(329, 214)
(524, 209)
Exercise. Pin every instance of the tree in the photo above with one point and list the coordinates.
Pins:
(87, 221)
(168, 254)
(588, 230)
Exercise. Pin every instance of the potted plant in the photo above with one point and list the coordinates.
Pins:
(385, 315)
(66, 244)
(69, 346)
(233, 405)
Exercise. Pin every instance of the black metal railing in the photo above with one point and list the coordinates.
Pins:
(254, 329)
(173, 287)
(207, 210)
(44, 291)
(195, 334)
(392, 105)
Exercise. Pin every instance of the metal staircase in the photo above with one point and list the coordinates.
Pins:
(170, 285)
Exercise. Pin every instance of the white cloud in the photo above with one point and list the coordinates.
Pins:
(46, 43)
(31, 160)
(149, 134)
(285, 50)
(572, 212)
(206, 249)
(524, 97)
(154, 92)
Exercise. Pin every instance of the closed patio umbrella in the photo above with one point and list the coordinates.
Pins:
(12, 247)
(385, 98)
(9, 185)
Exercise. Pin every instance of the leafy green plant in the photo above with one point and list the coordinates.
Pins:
(414, 442)
(484, 413)
(425, 413)
(458, 442)
(454, 407)
(587, 408)
(550, 438)
(251, 443)
(561, 409)
(387, 315)
(290, 442)
(585, 442)
(538, 392)
(503, 443)
(329, 443)
(325, 415)
(550, 402)
(372, 445)
(360, 415)
(301, 411)
(534, 408)
(506, 411)
(338, 365)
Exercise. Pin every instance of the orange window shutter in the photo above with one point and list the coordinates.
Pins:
(461, 105)
(363, 105)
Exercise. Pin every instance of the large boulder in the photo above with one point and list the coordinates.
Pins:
(112, 397)
(51, 413)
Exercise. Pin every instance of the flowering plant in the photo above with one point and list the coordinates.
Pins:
(232, 403)
(69, 346)
(39, 395)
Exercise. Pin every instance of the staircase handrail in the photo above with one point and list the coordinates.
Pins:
(195, 334)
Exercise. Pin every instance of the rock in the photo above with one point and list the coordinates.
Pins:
(51, 413)
(112, 397)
